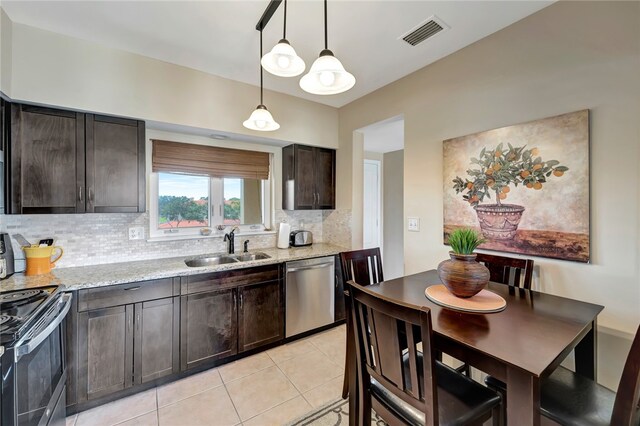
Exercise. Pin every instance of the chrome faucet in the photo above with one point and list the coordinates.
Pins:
(230, 238)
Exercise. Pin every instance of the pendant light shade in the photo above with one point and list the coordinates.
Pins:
(283, 60)
(261, 119)
(327, 76)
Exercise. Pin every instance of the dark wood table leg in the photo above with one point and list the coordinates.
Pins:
(523, 398)
(586, 354)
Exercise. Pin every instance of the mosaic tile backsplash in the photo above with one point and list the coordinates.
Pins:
(99, 238)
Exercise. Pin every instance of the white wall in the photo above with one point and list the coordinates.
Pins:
(53, 69)
(549, 63)
(393, 222)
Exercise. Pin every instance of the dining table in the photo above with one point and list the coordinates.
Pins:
(520, 345)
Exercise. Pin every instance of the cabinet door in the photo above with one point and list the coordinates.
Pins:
(47, 160)
(115, 165)
(208, 327)
(325, 175)
(105, 351)
(156, 341)
(260, 315)
(305, 186)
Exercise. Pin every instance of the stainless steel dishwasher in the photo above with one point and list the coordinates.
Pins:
(310, 294)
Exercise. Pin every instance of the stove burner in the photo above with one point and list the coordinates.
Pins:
(15, 297)
(7, 321)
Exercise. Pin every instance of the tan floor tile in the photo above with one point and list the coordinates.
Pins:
(245, 366)
(311, 370)
(149, 419)
(120, 410)
(335, 336)
(211, 407)
(336, 351)
(71, 420)
(325, 393)
(184, 388)
(290, 350)
(282, 414)
(260, 391)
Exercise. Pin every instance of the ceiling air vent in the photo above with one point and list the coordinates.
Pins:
(425, 30)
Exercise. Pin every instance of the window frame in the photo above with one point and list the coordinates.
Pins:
(156, 233)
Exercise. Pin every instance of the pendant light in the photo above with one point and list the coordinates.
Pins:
(283, 60)
(327, 76)
(261, 119)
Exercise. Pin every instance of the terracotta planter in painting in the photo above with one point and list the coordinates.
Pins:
(499, 221)
(462, 275)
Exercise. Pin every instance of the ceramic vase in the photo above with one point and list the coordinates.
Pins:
(462, 275)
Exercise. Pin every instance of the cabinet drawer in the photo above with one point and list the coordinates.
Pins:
(226, 279)
(123, 294)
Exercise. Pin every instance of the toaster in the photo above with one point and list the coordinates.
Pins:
(300, 238)
(6, 256)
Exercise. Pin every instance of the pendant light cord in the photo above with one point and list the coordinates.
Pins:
(259, 64)
(326, 45)
(284, 30)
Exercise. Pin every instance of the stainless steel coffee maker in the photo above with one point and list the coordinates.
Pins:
(6, 256)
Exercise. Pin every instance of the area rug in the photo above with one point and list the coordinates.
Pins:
(333, 414)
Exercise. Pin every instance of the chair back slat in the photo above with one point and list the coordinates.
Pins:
(508, 270)
(381, 326)
(362, 266)
(625, 407)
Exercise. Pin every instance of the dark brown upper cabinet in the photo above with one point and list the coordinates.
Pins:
(115, 169)
(70, 162)
(308, 178)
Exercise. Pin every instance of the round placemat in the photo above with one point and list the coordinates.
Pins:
(483, 302)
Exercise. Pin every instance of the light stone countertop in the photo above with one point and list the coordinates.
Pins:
(91, 276)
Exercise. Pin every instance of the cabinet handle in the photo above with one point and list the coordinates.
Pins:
(90, 194)
(80, 193)
(235, 298)
(132, 288)
(240, 300)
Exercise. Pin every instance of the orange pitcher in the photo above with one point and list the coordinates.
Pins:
(39, 259)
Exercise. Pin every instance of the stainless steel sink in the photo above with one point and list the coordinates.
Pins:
(224, 258)
(246, 257)
(210, 261)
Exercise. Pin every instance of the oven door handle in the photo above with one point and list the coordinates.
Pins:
(29, 344)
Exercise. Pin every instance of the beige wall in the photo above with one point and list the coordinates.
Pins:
(58, 70)
(550, 63)
(5, 53)
(393, 214)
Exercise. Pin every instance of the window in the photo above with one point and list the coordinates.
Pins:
(185, 198)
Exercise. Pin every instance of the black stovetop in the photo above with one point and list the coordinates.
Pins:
(18, 308)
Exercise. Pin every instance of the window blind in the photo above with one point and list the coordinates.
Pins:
(208, 160)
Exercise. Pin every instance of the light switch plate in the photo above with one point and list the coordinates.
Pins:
(413, 224)
(136, 233)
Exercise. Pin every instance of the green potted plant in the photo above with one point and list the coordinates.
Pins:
(495, 171)
(462, 275)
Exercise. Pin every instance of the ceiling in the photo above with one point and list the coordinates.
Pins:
(219, 37)
(384, 136)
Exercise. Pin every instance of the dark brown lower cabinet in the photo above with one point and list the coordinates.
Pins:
(260, 315)
(157, 333)
(208, 327)
(105, 351)
(126, 345)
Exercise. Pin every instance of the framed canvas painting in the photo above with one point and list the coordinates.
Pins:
(524, 187)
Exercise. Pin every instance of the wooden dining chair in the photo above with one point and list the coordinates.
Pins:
(405, 386)
(571, 399)
(365, 268)
(508, 270)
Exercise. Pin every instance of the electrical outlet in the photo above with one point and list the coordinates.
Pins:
(413, 224)
(136, 233)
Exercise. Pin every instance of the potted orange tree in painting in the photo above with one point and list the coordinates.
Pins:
(493, 174)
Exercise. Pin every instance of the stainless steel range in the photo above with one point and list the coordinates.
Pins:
(33, 362)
